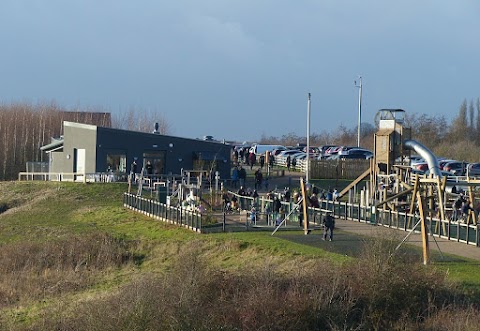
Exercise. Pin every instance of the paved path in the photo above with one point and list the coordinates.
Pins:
(351, 235)
(435, 243)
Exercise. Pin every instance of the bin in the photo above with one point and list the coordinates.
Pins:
(162, 193)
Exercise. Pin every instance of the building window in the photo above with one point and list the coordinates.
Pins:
(207, 160)
(157, 160)
(117, 162)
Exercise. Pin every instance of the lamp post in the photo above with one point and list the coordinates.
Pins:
(359, 108)
(308, 141)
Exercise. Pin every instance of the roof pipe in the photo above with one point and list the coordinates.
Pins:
(426, 154)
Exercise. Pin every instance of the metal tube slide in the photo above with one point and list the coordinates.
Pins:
(426, 154)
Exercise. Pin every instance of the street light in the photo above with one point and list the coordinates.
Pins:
(359, 108)
(307, 175)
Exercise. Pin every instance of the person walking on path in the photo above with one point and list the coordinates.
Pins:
(262, 161)
(252, 159)
(328, 226)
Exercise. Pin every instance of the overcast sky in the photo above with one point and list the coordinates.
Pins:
(240, 69)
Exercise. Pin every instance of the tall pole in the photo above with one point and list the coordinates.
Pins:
(308, 141)
(359, 109)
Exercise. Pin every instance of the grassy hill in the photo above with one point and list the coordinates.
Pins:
(72, 258)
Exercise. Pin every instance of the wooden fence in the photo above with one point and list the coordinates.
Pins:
(337, 169)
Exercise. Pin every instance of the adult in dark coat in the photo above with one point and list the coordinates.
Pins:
(328, 226)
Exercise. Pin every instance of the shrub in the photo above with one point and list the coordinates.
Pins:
(29, 270)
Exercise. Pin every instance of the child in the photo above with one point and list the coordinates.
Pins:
(253, 215)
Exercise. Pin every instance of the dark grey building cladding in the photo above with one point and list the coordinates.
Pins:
(177, 152)
(93, 149)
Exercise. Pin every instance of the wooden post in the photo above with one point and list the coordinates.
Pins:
(414, 195)
(304, 204)
(423, 224)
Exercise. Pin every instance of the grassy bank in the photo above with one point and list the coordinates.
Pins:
(72, 258)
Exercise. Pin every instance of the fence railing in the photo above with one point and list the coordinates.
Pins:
(448, 229)
(329, 169)
(171, 214)
(70, 177)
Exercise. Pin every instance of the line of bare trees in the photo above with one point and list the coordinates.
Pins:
(25, 127)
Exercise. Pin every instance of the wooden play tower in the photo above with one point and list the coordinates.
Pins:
(391, 184)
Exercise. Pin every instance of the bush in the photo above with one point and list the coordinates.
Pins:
(379, 291)
(29, 270)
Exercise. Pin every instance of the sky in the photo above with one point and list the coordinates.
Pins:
(242, 69)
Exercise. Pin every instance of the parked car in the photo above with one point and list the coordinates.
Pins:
(332, 150)
(343, 150)
(442, 163)
(456, 168)
(278, 150)
(355, 151)
(421, 166)
(473, 169)
(289, 152)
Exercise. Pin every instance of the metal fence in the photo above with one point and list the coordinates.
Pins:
(448, 229)
(265, 216)
(175, 215)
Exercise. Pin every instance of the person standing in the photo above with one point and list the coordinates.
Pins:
(258, 179)
(133, 167)
(277, 205)
(235, 177)
(288, 162)
(242, 176)
(241, 197)
(149, 168)
(328, 226)
(133, 170)
(270, 161)
(253, 160)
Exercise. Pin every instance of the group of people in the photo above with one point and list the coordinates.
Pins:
(239, 178)
(239, 175)
(243, 155)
